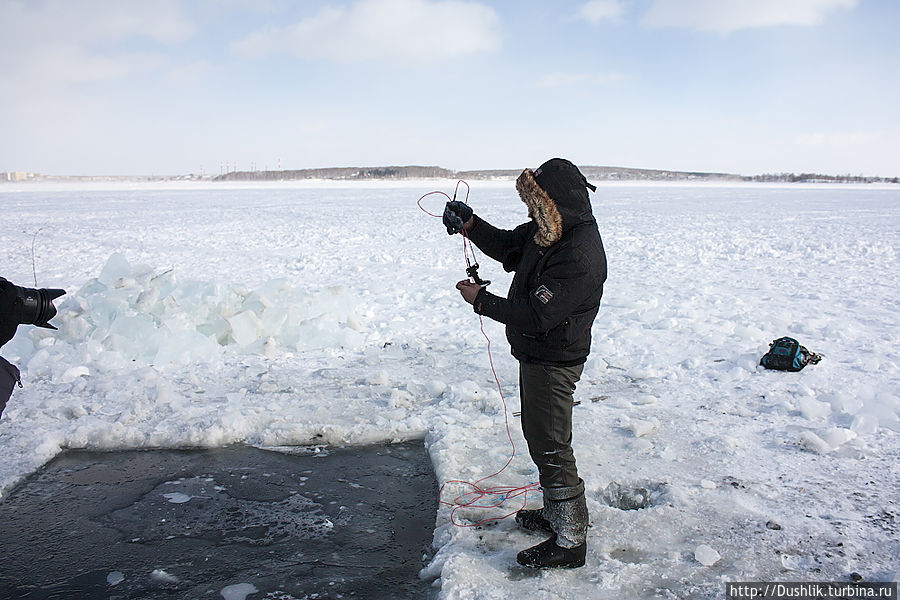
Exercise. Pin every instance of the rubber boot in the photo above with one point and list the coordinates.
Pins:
(565, 510)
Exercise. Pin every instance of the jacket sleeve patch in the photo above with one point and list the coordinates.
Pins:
(543, 294)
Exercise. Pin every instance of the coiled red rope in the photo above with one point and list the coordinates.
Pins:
(478, 495)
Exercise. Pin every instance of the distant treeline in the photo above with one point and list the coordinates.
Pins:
(593, 173)
(419, 172)
(819, 178)
(350, 173)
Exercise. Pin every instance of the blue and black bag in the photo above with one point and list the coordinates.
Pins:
(786, 354)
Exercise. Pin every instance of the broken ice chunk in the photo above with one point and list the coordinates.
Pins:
(245, 327)
(811, 441)
(116, 268)
(706, 556)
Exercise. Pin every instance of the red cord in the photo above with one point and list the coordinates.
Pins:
(473, 498)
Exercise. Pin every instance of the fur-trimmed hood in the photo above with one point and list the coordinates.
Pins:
(569, 204)
(541, 209)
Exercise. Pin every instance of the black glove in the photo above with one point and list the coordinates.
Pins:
(8, 317)
(456, 214)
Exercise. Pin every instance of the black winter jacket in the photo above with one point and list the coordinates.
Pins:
(9, 374)
(560, 267)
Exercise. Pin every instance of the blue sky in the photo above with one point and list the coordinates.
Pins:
(180, 86)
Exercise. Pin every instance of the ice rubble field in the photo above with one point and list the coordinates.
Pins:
(325, 313)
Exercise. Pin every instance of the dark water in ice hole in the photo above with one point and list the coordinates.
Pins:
(338, 523)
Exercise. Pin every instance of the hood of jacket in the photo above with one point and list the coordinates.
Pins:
(556, 195)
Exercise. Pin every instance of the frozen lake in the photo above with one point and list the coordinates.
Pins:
(201, 316)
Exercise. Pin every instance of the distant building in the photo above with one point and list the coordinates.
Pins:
(16, 176)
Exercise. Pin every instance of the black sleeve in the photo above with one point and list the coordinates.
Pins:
(9, 378)
(564, 286)
(8, 320)
(502, 245)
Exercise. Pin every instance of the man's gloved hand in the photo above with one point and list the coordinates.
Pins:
(456, 215)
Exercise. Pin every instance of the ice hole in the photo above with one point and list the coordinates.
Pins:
(632, 497)
(288, 523)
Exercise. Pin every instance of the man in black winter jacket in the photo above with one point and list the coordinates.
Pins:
(560, 268)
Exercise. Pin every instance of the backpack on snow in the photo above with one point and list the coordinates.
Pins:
(786, 354)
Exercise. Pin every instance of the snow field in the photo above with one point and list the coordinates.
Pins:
(303, 315)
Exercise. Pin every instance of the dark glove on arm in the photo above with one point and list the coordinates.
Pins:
(456, 215)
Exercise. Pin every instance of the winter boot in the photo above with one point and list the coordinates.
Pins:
(549, 554)
(533, 520)
(565, 510)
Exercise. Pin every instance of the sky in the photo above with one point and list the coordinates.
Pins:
(127, 87)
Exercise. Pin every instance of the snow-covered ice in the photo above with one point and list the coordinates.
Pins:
(318, 313)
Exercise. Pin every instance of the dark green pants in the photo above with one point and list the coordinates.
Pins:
(546, 394)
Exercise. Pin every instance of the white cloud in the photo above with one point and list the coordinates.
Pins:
(840, 139)
(725, 16)
(406, 30)
(597, 11)
(57, 41)
(67, 63)
(564, 79)
(93, 21)
(192, 73)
